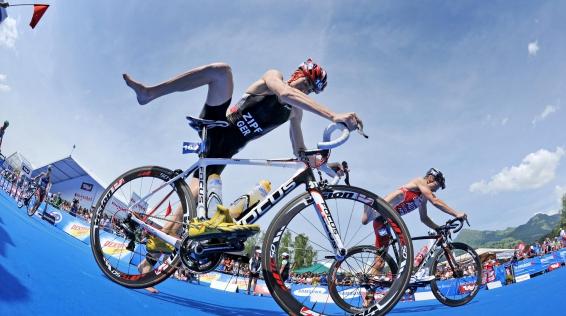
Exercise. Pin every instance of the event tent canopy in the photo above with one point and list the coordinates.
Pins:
(65, 169)
(316, 268)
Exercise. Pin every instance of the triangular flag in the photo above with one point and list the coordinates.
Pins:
(168, 210)
(38, 11)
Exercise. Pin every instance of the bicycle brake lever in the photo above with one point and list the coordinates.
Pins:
(346, 173)
(361, 131)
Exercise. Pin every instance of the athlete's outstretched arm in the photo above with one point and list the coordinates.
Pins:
(424, 216)
(296, 132)
(438, 203)
(294, 97)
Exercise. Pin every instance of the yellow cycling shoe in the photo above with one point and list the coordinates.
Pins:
(155, 244)
(204, 229)
(220, 223)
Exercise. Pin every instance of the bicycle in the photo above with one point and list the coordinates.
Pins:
(29, 198)
(137, 217)
(455, 268)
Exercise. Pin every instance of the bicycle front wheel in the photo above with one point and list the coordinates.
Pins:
(298, 230)
(31, 208)
(128, 254)
(458, 274)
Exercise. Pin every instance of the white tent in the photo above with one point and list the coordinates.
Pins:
(72, 180)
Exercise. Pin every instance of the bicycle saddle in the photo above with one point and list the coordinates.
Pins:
(198, 124)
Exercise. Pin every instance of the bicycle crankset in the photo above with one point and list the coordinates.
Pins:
(202, 255)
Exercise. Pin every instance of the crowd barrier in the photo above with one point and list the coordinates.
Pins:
(80, 229)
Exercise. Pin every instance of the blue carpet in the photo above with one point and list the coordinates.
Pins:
(44, 271)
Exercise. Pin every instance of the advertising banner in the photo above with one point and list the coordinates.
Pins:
(528, 266)
(78, 229)
(549, 259)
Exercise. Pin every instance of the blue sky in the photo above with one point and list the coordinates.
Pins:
(475, 89)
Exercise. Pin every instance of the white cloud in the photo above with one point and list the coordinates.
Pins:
(536, 170)
(8, 33)
(549, 109)
(492, 121)
(3, 87)
(533, 48)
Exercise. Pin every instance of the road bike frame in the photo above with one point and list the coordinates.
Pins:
(304, 175)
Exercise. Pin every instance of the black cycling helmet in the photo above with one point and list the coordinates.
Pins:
(438, 177)
(6, 123)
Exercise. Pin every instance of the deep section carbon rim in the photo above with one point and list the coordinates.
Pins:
(298, 231)
(127, 253)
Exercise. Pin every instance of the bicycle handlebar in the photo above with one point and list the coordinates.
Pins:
(327, 143)
(456, 224)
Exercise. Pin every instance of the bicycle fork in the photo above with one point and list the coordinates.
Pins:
(328, 223)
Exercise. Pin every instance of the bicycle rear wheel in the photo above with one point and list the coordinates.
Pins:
(126, 253)
(458, 274)
(298, 230)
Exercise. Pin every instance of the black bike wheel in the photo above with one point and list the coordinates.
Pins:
(457, 281)
(299, 221)
(119, 245)
(30, 205)
(351, 281)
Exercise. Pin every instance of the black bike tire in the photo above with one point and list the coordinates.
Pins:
(155, 276)
(30, 206)
(332, 289)
(272, 278)
(434, 287)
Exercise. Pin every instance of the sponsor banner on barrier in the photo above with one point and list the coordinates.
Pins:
(78, 230)
(424, 296)
(309, 290)
(494, 285)
(549, 259)
(554, 266)
(523, 277)
(528, 266)
(210, 277)
(466, 288)
(114, 246)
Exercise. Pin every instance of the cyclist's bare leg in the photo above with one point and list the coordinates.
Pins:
(218, 77)
(172, 227)
(145, 267)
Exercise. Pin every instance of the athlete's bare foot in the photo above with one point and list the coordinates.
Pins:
(141, 91)
(152, 290)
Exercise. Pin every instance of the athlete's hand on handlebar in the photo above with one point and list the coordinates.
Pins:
(351, 120)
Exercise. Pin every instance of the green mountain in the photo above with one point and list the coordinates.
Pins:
(538, 226)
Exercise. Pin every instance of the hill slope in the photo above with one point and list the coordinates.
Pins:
(537, 227)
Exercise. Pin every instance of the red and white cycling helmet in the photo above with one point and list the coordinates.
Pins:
(313, 72)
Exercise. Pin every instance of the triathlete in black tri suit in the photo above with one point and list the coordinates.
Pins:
(266, 104)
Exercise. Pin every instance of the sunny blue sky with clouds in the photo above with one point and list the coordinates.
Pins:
(475, 89)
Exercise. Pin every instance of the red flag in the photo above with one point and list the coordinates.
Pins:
(168, 210)
(38, 11)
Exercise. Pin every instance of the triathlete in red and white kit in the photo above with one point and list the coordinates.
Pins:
(415, 194)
